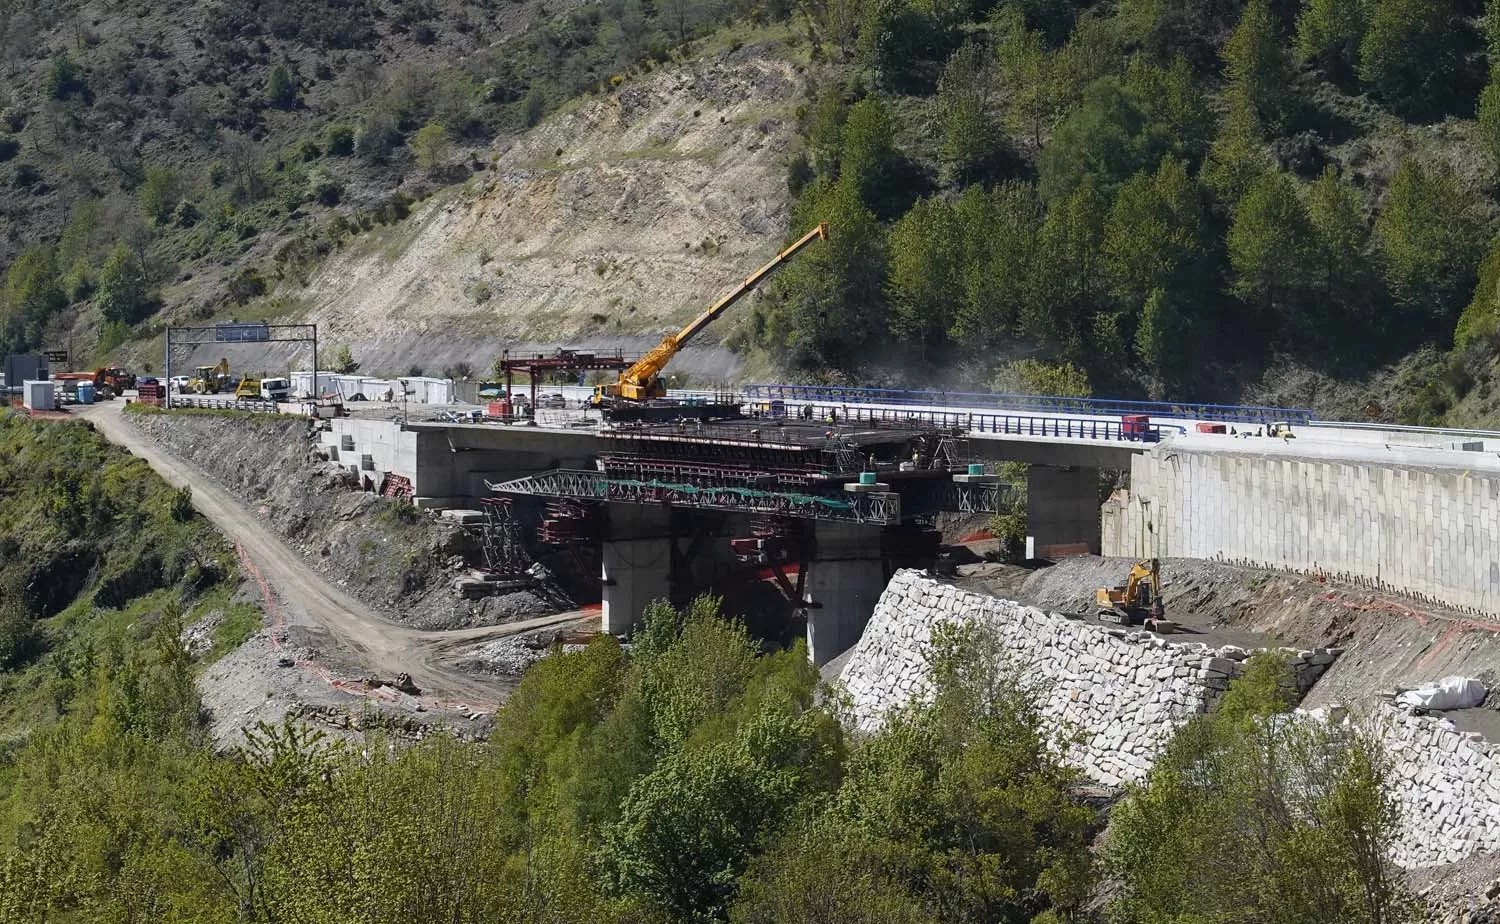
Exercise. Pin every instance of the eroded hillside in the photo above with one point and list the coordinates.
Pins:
(610, 223)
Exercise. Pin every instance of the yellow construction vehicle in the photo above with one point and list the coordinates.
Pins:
(209, 380)
(1138, 600)
(642, 381)
(248, 388)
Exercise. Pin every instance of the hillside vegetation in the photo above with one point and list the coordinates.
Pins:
(1270, 200)
(196, 157)
(1150, 197)
(687, 779)
(99, 559)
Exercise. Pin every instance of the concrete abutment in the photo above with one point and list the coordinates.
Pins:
(1062, 511)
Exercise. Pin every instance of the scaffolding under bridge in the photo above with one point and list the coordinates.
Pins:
(876, 508)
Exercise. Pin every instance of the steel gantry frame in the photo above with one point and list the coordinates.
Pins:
(240, 332)
(878, 508)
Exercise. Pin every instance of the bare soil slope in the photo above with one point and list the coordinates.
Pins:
(622, 216)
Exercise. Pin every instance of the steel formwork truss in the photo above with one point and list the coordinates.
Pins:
(875, 508)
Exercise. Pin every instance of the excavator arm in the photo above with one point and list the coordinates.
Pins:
(643, 380)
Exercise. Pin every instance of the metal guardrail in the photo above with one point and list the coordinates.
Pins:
(1403, 428)
(825, 394)
(255, 405)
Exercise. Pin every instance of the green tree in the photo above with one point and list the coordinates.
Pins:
(827, 309)
(999, 230)
(1178, 118)
(868, 156)
(1152, 232)
(971, 142)
(1256, 64)
(1431, 235)
(1270, 241)
(894, 42)
(159, 194)
(1481, 319)
(32, 296)
(1068, 278)
(123, 288)
(1237, 157)
(1024, 75)
(430, 146)
(339, 140)
(1330, 32)
(1341, 233)
(281, 89)
(1033, 377)
(965, 795)
(1252, 814)
(63, 76)
(1104, 142)
(926, 276)
(1411, 55)
(339, 360)
(1488, 114)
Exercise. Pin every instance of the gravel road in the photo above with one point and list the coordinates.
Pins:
(352, 640)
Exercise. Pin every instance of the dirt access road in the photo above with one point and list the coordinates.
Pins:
(356, 640)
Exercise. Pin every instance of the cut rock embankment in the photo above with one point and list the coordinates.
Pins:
(610, 223)
(402, 567)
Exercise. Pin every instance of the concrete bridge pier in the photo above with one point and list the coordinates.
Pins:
(637, 563)
(1062, 511)
(845, 578)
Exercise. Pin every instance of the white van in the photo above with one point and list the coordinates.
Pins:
(275, 389)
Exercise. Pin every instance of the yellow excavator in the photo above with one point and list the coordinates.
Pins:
(642, 381)
(1138, 601)
(209, 380)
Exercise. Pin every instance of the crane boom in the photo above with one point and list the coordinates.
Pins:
(643, 380)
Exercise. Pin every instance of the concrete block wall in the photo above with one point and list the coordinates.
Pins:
(1447, 783)
(1429, 531)
(1125, 692)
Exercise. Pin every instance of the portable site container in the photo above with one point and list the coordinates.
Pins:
(39, 395)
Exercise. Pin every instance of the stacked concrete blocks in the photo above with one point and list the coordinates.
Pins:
(1447, 783)
(1124, 693)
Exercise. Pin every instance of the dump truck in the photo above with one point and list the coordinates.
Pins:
(114, 378)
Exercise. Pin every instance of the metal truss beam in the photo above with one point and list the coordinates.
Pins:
(876, 508)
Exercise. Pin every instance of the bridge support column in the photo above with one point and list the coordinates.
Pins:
(637, 561)
(1062, 511)
(844, 580)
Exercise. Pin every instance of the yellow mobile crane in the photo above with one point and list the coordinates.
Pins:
(642, 381)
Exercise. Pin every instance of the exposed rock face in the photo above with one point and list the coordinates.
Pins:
(610, 223)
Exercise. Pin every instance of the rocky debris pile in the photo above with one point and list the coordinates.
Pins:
(1125, 692)
(511, 656)
(198, 639)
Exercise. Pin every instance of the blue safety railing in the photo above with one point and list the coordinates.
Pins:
(980, 422)
(1044, 404)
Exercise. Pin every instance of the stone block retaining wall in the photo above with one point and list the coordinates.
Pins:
(1124, 692)
(1447, 783)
